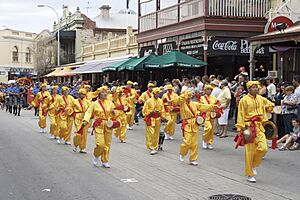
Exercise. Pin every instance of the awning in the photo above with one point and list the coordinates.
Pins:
(136, 64)
(115, 66)
(53, 73)
(174, 59)
(85, 67)
(99, 68)
(64, 72)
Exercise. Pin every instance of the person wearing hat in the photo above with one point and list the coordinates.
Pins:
(89, 94)
(54, 113)
(138, 106)
(147, 94)
(80, 106)
(209, 125)
(121, 103)
(66, 116)
(252, 113)
(170, 114)
(224, 98)
(102, 110)
(41, 102)
(153, 112)
(130, 94)
(217, 90)
(189, 112)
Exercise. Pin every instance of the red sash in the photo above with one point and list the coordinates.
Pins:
(148, 93)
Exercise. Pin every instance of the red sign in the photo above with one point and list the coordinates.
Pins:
(271, 26)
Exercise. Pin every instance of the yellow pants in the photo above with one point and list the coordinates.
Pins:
(130, 116)
(80, 140)
(170, 125)
(103, 141)
(208, 133)
(66, 125)
(152, 137)
(190, 142)
(122, 130)
(42, 120)
(254, 152)
(54, 125)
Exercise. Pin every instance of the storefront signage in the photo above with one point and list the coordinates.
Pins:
(192, 46)
(147, 50)
(166, 47)
(232, 46)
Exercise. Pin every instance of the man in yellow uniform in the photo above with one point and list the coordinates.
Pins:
(102, 110)
(89, 94)
(207, 137)
(252, 113)
(66, 116)
(130, 94)
(80, 106)
(146, 95)
(171, 111)
(54, 113)
(41, 102)
(189, 112)
(153, 112)
(121, 105)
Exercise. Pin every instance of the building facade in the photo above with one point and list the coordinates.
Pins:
(16, 54)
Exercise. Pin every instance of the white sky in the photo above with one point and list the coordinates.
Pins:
(24, 15)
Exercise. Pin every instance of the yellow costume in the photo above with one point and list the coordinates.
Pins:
(54, 113)
(146, 95)
(130, 95)
(153, 120)
(90, 95)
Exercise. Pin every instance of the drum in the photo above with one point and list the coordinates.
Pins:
(213, 115)
(271, 130)
(277, 110)
(269, 115)
(199, 120)
(113, 124)
(126, 109)
(247, 135)
(175, 109)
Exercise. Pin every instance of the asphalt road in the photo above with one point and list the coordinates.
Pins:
(32, 167)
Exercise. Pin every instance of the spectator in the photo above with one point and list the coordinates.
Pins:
(205, 79)
(271, 88)
(289, 109)
(186, 85)
(199, 84)
(292, 137)
(263, 90)
(217, 90)
(176, 86)
(296, 82)
(224, 98)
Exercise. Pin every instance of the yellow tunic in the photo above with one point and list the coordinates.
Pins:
(54, 114)
(91, 95)
(169, 101)
(42, 101)
(131, 99)
(145, 96)
(121, 115)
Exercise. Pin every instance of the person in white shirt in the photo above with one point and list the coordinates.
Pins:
(186, 85)
(296, 83)
(199, 84)
(271, 88)
(217, 90)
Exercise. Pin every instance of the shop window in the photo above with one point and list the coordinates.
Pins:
(15, 54)
(28, 55)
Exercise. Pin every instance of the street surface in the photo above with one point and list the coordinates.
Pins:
(33, 167)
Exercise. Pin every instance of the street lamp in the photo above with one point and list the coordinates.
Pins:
(58, 43)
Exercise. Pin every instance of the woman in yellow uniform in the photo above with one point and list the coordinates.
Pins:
(189, 112)
(146, 95)
(80, 106)
(121, 104)
(208, 134)
(252, 113)
(42, 101)
(54, 113)
(171, 113)
(153, 112)
(130, 94)
(66, 116)
(89, 94)
(102, 110)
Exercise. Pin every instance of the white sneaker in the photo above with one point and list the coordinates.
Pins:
(44, 130)
(130, 128)
(204, 145)
(194, 163)
(52, 137)
(152, 152)
(209, 146)
(41, 130)
(251, 179)
(96, 161)
(58, 141)
(67, 143)
(75, 149)
(181, 158)
(171, 138)
(166, 137)
(82, 151)
(254, 171)
(105, 165)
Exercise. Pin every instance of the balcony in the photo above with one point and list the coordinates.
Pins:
(204, 8)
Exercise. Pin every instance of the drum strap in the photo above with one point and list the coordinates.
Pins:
(189, 107)
(101, 105)
(148, 93)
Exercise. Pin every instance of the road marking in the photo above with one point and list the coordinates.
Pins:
(129, 180)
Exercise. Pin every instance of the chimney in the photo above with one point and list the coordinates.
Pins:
(105, 11)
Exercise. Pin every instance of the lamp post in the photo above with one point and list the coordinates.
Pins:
(58, 37)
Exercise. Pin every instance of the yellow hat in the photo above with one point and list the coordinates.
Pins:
(187, 94)
(150, 85)
(156, 90)
(129, 83)
(87, 86)
(169, 87)
(120, 89)
(65, 88)
(44, 85)
(55, 87)
(103, 88)
(207, 86)
(82, 91)
(249, 84)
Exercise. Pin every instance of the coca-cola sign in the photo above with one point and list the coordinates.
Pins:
(232, 46)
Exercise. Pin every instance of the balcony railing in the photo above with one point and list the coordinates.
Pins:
(196, 8)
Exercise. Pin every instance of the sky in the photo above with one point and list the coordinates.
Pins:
(24, 15)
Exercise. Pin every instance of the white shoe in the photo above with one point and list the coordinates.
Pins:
(44, 130)
(58, 141)
(82, 151)
(166, 137)
(130, 128)
(251, 179)
(194, 163)
(75, 149)
(209, 146)
(204, 145)
(67, 143)
(52, 137)
(254, 171)
(171, 138)
(96, 161)
(181, 158)
(41, 130)
(152, 152)
(105, 165)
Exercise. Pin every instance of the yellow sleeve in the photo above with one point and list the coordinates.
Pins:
(146, 109)
(241, 115)
(204, 107)
(88, 114)
(268, 104)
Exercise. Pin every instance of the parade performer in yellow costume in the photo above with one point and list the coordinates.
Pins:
(54, 113)
(153, 112)
(146, 95)
(66, 116)
(171, 111)
(102, 110)
(89, 94)
(42, 101)
(189, 112)
(80, 106)
(252, 113)
(208, 134)
(122, 107)
(130, 94)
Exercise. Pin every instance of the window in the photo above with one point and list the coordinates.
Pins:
(28, 55)
(15, 54)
